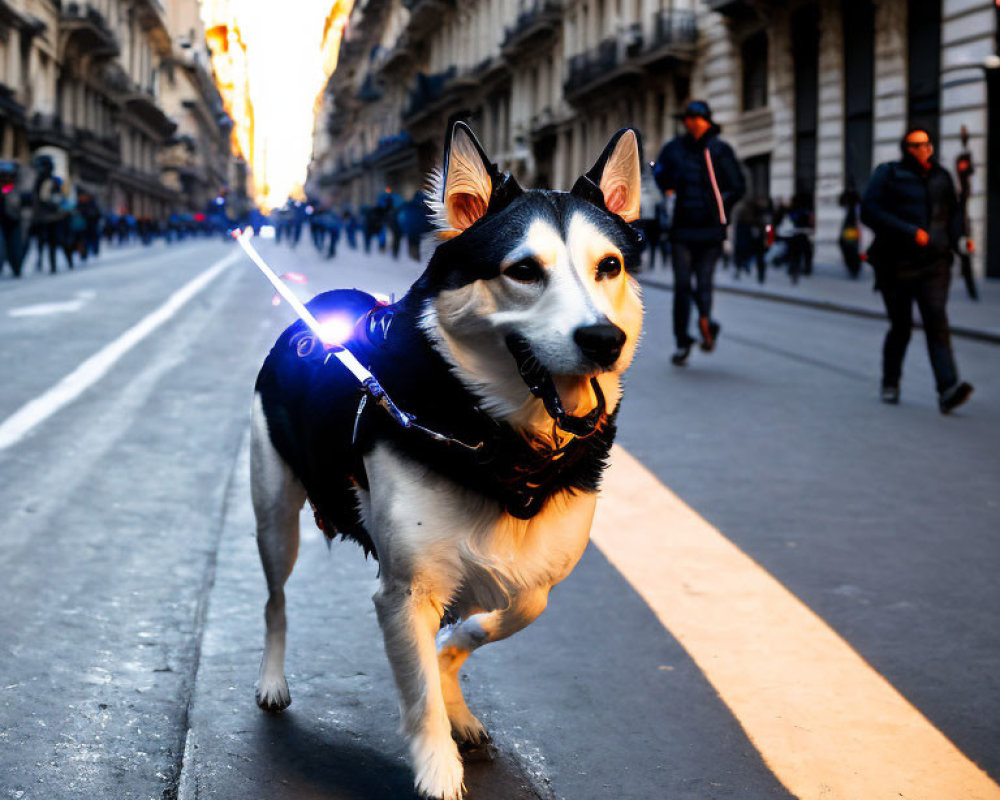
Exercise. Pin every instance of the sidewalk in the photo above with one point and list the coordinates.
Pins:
(830, 289)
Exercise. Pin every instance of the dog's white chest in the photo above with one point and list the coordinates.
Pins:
(423, 523)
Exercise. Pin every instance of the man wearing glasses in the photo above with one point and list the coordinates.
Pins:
(912, 207)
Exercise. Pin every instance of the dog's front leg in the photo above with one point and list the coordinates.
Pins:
(410, 614)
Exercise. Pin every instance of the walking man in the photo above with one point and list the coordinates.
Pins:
(46, 210)
(702, 171)
(912, 207)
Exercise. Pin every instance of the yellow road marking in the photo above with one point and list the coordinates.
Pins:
(826, 723)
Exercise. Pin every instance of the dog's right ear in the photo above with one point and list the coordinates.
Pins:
(461, 192)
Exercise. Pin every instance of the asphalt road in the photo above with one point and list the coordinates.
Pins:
(131, 606)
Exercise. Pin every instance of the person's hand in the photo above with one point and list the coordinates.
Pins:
(970, 246)
(922, 237)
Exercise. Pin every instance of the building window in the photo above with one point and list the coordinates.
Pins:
(859, 88)
(923, 95)
(758, 170)
(755, 71)
(805, 57)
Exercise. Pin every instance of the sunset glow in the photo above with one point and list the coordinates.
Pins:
(271, 92)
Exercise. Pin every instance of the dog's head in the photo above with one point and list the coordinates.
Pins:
(534, 279)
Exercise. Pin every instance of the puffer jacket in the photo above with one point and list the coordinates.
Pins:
(683, 168)
(901, 199)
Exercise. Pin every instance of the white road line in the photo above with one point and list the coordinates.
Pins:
(826, 723)
(56, 307)
(21, 422)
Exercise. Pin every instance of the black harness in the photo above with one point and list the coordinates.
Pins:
(323, 423)
(525, 473)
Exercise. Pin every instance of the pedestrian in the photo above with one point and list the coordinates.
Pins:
(46, 210)
(799, 236)
(351, 228)
(415, 222)
(333, 227)
(912, 207)
(10, 216)
(648, 224)
(702, 171)
(751, 237)
(850, 230)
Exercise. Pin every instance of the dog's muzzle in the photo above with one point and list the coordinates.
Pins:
(541, 385)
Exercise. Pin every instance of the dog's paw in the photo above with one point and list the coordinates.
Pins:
(273, 695)
(438, 771)
(466, 729)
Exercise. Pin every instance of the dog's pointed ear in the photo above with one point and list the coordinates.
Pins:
(468, 179)
(616, 177)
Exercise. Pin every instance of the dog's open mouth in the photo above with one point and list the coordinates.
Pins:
(541, 385)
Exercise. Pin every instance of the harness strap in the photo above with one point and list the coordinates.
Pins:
(715, 187)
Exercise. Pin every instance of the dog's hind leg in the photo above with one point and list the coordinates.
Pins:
(277, 499)
(456, 643)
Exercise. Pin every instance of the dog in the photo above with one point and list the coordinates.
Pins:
(471, 474)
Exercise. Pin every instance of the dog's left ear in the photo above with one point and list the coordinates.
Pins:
(615, 180)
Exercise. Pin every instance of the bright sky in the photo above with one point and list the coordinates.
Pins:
(283, 42)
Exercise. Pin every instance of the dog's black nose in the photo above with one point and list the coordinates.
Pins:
(600, 343)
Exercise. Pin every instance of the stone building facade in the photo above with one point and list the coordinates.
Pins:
(812, 93)
(104, 87)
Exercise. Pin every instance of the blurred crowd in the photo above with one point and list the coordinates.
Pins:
(66, 225)
(388, 222)
(768, 235)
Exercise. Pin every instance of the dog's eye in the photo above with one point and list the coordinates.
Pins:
(608, 267)
(527, 270)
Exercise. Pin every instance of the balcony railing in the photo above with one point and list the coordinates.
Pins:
(82, 19)
(424, 15)
(109, 146)
(736, 9)
(428, 90)
(9, 104)
(594, 69)
(388, 146)
(50, 129)
(540, 19)
(489, 71)
(399, 57)
(674, 33)
(370, 91)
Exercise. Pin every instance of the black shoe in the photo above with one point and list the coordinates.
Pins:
(952, 398)
(680, 356)
(890, 395)
(709, 333)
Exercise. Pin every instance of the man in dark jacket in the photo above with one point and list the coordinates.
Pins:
(702, 171)
(911, 206)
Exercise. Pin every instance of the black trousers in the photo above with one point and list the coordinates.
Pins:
(13, 250)
(697, 260)
(929, 289)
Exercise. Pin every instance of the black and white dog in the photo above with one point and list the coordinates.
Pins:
(508, 353)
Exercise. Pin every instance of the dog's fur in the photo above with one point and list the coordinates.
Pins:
(468, 545)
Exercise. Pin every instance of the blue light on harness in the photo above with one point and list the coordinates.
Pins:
(333, 331)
